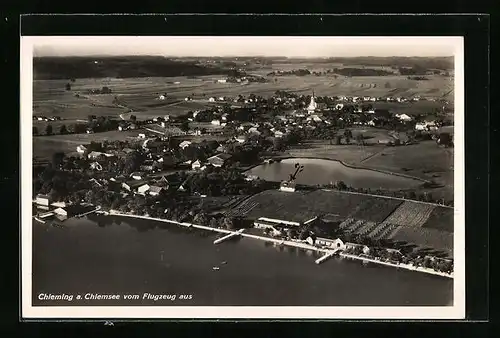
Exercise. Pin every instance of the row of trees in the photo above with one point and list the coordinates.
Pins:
(405, 194)
(101, 124)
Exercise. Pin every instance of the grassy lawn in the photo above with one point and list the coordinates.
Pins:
(440, 219)
(45, 146)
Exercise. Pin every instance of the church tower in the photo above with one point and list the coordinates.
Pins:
(312, 105)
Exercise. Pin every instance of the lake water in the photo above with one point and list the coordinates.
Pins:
(112, 255)
(319, 171)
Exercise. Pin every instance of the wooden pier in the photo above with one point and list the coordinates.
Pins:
(237, 233)
(88, 212)
(325, 257)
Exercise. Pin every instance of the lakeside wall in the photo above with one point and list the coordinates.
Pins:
(288, 243)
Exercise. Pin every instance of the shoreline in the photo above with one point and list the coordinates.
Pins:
(354, 166)
(354, 192)
(286, 242)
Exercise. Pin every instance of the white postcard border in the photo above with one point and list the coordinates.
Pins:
(457, 311)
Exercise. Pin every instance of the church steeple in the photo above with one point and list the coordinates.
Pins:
(312, 105)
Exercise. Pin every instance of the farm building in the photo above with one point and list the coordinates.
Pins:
(272, 223)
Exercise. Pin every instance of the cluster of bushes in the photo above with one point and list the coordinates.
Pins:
(361, 72)
(297, 72)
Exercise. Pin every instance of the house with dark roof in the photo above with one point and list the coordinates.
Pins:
(132, 185)
(155, 190)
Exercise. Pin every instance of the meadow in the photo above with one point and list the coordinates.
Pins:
(141, 94)
(427, 226)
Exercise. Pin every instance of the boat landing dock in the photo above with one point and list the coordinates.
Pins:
(325, 257)
(219, 240)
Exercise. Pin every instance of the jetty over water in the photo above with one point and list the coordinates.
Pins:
(222, 239)
(325, 257)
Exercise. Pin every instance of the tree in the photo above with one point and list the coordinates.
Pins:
(229, 223)
(278, 144)
(184, 126)
(292, 233)
(304, 233)
(338, 140)
(48, 130)
(213, 222)
(35, 130)
(360, 139)
(133, 118)
(79, 128)
(63, 130)
(340, 185)
(57, 159)
(68, 86)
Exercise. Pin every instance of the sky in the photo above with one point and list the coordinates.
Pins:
(246, 46)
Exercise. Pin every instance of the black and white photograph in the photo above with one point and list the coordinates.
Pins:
(243, 177)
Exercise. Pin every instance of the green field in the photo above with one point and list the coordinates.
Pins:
(366, 214)
(141, 94)
(45, 146)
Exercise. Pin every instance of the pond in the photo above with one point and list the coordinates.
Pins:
(320, 171)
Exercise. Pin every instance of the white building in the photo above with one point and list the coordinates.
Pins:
(287, 186)
(426, 125)
(142, 189)
(162, 97)
(81, 149)
(184, 144)
(155, 190)
(330, 243)
(221, 80)
(403, 117)
(211, 99)
(196, 165)
(44, 200)
(312, 105)
(141, 136)
(240, 139)
(215, 122)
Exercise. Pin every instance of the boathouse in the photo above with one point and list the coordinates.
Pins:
(330, 243)
(43, 200)
(287, 186)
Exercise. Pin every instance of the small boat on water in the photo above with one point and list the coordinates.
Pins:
(224, 263)
(215, 268)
